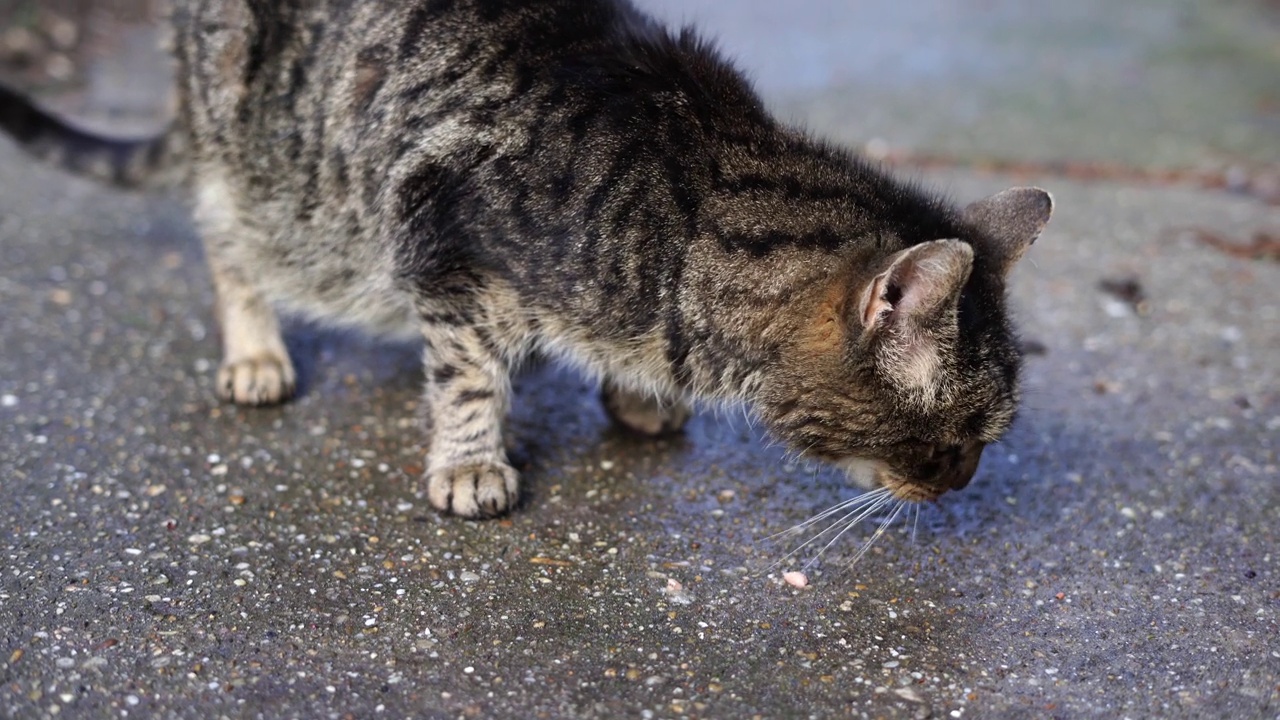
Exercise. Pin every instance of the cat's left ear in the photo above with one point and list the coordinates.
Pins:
(908, 310)
(1012, 219)
(920, 282)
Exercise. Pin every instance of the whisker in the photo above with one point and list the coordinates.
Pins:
(849, 526)
(855, 503)
(915, 522)
(879, 531)
(859, 512)
(842, 505)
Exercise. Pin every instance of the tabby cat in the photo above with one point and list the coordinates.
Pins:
(570, 178)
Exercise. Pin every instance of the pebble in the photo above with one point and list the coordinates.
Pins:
(908, 694)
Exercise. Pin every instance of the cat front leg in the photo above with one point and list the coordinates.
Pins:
(468, 391)
(643, 413)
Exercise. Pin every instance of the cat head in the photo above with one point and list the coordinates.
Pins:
(908, 367)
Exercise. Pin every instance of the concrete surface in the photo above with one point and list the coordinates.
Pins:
(1117, 556)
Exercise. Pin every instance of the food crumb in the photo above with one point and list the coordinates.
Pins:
(676, 593)
(795, 578)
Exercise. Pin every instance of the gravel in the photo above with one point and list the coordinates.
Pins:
(164, 555)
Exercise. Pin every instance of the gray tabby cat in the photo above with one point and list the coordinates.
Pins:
(567, 177)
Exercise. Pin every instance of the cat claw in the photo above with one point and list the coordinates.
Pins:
(482, 490)
(261, 380)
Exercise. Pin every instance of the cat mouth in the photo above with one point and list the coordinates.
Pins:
(960, 466)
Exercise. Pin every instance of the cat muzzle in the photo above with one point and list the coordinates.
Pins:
(946, 468)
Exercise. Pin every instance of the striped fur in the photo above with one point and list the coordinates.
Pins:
(567, 177)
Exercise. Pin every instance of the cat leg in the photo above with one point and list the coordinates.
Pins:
(642, 412)
(467, 395)
(255, 368)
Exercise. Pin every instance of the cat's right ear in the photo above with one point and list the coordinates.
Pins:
(1012, 219)
(920, 281)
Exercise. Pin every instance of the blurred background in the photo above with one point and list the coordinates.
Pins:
(1160, 89)
(99, 61)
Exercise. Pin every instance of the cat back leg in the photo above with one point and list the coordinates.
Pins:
(643, 413)
(255, 368)
(467, 395)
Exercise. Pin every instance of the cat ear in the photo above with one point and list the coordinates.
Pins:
(920, 281)
(1012, 219)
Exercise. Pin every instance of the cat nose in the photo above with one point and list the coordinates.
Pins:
(964, 467)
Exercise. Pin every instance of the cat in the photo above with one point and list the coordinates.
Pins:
(572, 179)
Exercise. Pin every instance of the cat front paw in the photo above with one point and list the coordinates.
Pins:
(643, 414)
(482, 490)
(259, 380)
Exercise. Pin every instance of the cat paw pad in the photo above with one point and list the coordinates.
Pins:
(260, 380)
(474, 491)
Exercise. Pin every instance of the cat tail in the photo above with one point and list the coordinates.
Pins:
(125, 162)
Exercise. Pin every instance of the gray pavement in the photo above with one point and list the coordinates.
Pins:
(1117, 556)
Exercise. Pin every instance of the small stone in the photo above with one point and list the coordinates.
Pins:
(909, 695)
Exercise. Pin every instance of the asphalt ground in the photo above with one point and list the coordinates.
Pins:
(1117, 555)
